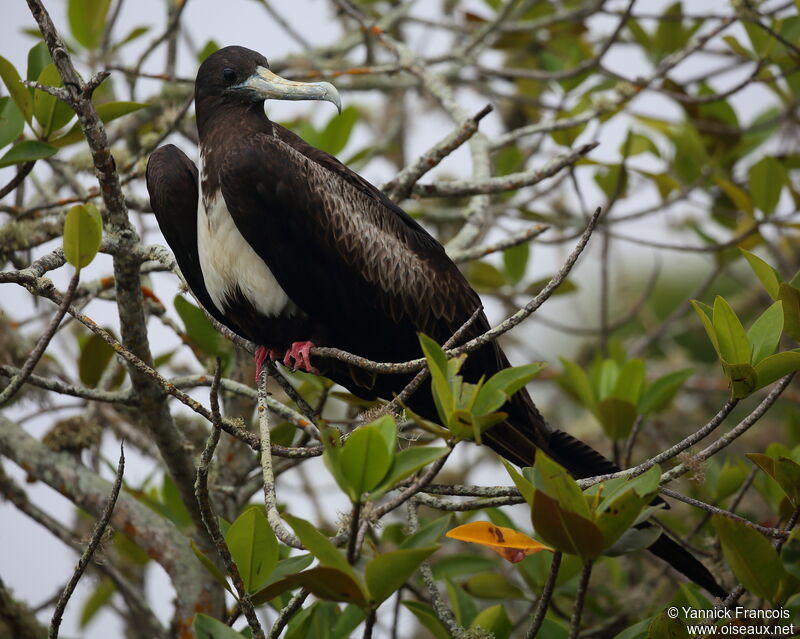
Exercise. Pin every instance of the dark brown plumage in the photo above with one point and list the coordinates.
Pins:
(288, 245)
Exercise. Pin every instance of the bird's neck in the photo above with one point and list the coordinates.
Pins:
(219, 124)
(216, 116)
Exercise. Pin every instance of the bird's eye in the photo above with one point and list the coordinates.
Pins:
(228, 74)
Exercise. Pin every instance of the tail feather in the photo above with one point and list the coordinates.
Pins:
(517, 444)
(683, 561)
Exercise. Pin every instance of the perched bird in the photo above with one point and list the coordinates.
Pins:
(289, 248)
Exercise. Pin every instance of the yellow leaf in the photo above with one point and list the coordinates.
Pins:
(510, 544)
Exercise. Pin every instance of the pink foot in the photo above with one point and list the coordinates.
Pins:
(298, 357)
(262, 354)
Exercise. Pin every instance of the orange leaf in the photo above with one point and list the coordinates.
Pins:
(510, 544)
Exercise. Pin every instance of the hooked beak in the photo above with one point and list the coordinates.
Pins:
(269, 86)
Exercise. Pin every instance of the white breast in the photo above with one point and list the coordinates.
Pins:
(228, 262)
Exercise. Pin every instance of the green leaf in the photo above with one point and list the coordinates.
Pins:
(617, 417)
(772, 368)
(38, 59)
(485, 277)
(11, 121)
(730, 478)
(347, 622)
(669, 35)
(790, 296)
(577, 382)
(630, 381)
(787, 474)
(737, 47)
(87, 20)
(499, 388)
(616, 516)
(766, 179)
(50, 112)
(462, 604)
(458, 565)
(633, 540)
(535, 287)
(18, 91)
(277, 583)
(364, 460)
(199, 330)
(666, 627)
(515, 261)
(93, 360)
(390, 570)
(387, 428)
(565, 530)
(211, 567)
(133, 34)
(429, 534)
(751, 557)
(83, 232)
(27, 151)
(742, 378)
(690, 158)
(206, 627)
(208, 48)
(406, 463)
(523, 485)
(657, 396)
(492, 585)
(319, 545)
(637, 143)
(427, 617)
(324, 582)
(107, 112)
(765, 333)
(733, 344)
(741, 200)
(333, 138)
(291, 565)
(495, 620)
(437, 363)
(97, 601)
(553, 480)
(253, 547)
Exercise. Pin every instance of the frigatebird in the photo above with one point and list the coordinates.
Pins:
(289, 248)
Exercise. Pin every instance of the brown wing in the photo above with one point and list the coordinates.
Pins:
(172, 185)
(344, 253)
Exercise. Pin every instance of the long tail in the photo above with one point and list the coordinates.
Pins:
(518, 445)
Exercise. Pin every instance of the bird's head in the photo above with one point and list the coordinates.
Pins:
(238, 74)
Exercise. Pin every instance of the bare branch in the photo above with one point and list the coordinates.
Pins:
(94, 542)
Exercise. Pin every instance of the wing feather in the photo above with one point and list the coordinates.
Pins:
(172, 185)
(328, 236)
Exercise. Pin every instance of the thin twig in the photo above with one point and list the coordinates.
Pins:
(287, 612)
(18, 380)
(580, 600)
(732, 434)
(444, 614)
(270, 500)
(207, 512)
(671, 452)
(544, 599)
(775, 533)
(94, 542)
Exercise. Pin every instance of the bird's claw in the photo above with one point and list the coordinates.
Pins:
(262, 355)
(298, 357)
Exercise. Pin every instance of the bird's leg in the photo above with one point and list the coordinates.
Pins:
(262, 354)
(298, 356)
